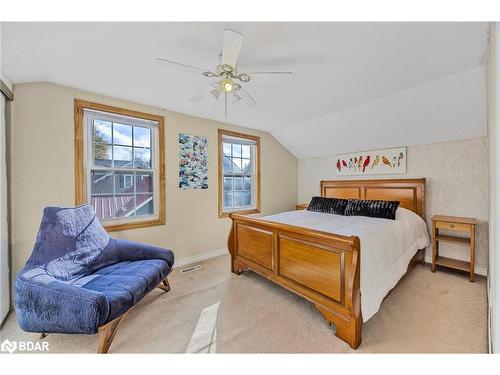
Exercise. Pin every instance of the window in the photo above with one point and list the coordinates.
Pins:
(120, 165)
(239, 173)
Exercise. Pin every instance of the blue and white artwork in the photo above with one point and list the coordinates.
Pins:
(193, 162)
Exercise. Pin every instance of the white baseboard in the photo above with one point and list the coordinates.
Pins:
(478, 270)
(198, 258)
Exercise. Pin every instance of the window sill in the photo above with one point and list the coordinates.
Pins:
(240, 212)
(133, 225)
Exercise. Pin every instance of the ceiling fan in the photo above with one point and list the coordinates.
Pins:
(229, 81)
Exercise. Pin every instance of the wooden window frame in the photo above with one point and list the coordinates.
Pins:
(256, 139)
(80, 195)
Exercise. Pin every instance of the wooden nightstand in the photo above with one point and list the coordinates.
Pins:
(455, 224)
(301, 206)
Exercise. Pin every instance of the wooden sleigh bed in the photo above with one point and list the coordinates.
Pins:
(321, 267)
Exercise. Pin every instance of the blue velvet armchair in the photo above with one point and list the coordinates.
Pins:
(80, 280)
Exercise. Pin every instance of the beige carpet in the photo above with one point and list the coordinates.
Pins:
(428, 313)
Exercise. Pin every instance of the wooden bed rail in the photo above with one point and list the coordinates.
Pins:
(321, 267)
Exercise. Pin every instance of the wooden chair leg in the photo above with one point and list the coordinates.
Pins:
(107, 333)
(164, 285)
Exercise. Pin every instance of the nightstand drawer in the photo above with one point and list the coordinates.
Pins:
(459, 227)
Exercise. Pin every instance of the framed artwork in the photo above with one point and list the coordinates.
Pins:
(193, 162)
(385, 161)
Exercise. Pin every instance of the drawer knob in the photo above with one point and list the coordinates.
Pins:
(452, 226)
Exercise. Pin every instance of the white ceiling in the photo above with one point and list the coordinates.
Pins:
(448, 109)
(336, 65)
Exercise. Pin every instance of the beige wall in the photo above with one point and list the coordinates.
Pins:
(457, 184)
(43, 173)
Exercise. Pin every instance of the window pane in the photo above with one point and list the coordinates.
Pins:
(144, 183)
(246, 166)
(236, 165)
(124, 183)
(102, 154)
(239, 170)
(124, 205)
(145, 206)
(112, 145)
(247, 184)
(122, 134)
(238, 199)
(106, 204)
(102, 137)
(228, 183)
(101, 182)
(142, 158)
(226, 149)
(102, 131)
(122, 156)
(227, 164)
(228, 200)
(236, 150)
(101, 206)
(142, 137)
(245, 151)
(247, 198)
(238, 183)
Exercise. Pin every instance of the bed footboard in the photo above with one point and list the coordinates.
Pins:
(321, 267)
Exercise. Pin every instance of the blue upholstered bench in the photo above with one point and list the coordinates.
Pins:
(80, 280)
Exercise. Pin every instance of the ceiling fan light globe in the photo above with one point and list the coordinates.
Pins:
(244, 77)
(227, 85)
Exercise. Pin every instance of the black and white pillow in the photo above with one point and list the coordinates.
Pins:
(328, 205)
(372, 208)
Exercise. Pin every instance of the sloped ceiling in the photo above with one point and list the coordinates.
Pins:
(356, 85)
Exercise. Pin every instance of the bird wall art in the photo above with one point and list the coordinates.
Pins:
(386, 161)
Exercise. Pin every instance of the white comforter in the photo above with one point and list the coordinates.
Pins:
(387, 246)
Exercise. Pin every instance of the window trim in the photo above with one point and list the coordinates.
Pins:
(221, 133)
(80, 177)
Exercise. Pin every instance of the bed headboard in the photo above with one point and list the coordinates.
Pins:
(409, 192)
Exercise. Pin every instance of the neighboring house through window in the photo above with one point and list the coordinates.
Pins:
(239, 173)
(120, 165)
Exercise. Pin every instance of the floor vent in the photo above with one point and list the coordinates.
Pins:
(191, 269)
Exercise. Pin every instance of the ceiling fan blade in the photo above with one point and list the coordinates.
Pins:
(270, 73)
(164, 62)
(199, 97)
(236, 98)
(249, 100)
(225, 105)
(233, 41)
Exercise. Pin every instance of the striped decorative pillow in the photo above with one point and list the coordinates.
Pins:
(372, 208)
(328, 205)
